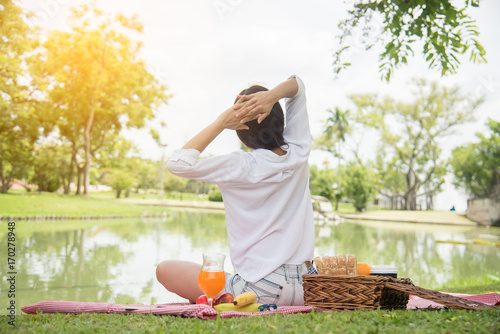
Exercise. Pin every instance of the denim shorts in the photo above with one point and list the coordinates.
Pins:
(282, 287)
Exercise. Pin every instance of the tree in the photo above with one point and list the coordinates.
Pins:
(390, 181)
(336, 129)
(410, 132)
(121, 180)
(18, 119)
(445, 28)
(476, 166)
(321, 182)
(50, 167)
(97, 84)
(173, 182)
(359, 185)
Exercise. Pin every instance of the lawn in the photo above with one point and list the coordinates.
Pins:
(46, 204)
(413, 321)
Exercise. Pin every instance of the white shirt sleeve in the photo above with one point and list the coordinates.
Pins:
(297, 130)
(218, 169)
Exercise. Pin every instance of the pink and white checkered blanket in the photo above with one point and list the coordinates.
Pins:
(488, 299)
(180, 309)
(206, 312)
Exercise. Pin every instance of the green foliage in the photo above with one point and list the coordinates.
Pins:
(476, 166)
(215, 195)
(336, 128)
(50, 166)
(359, 185)
(444, 26)
(121, 180)
(173, 182)
(18, 119)
(410, 135)
(322, 181)
(95, 82)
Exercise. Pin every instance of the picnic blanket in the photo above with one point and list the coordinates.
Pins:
(180, 309)
(206, 312)
(488, 299)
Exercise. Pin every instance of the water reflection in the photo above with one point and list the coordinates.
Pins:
(115, 261)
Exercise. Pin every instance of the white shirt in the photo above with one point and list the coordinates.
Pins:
(269, 215)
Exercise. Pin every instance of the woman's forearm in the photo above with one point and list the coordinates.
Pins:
(287, 88)
(201, 140)
(226, 120)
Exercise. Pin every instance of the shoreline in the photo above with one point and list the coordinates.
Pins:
(417, 217)
(410, 220)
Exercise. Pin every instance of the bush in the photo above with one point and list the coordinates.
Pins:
(121, 180)
(359, 185)
(215, 196)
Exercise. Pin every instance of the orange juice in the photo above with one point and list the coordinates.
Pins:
(211, 282)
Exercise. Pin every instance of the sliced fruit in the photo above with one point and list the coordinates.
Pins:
(225, 298)
(202, 300)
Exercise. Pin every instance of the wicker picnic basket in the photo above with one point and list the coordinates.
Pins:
(363, 292)
(341, 293)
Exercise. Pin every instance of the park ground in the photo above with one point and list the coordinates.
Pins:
(413, 321)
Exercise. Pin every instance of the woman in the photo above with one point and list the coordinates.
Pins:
(269, 214)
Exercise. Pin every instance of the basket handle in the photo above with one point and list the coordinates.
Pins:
(439, 297)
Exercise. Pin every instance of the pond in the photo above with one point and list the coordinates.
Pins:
(115, 261)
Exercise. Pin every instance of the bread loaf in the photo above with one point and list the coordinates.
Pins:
(352, 265)
(341, 265)
(319, 265)
(336, 265)
(334, 262)
(328, 263)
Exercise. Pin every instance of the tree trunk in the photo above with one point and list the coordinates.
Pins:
(411, 200)
(118, 193)
(4, 187)
(71, 169)
(429, 202)
(339, 172)
(79, 180)
(411, 193)
(86, 168)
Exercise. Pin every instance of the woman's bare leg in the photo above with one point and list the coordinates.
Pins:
(180, 277)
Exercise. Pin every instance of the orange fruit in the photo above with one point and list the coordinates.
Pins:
(364, 268)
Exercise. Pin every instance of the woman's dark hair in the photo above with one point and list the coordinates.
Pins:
(269, 133)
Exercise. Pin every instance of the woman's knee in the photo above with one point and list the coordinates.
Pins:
(163, 271)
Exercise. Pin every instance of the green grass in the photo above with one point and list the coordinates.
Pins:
(152, 194)
(36, 204)
(413, 321)
(478, 285)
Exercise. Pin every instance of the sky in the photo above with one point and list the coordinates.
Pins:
(206, 51)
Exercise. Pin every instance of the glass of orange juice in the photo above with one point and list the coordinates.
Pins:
(212, 277)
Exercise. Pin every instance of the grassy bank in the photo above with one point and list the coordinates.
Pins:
(413, 321)
(45, 204)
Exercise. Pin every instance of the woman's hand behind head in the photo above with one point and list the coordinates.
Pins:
(228, 120)
(255, 106)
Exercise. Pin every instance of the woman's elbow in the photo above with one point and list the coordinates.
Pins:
(173, 167)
